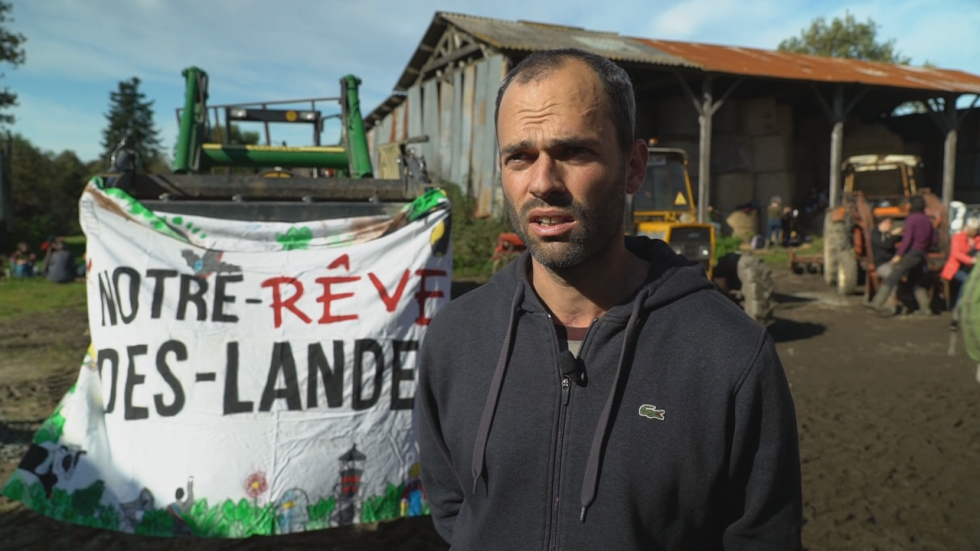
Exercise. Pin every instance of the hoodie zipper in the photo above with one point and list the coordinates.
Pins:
(566, 392)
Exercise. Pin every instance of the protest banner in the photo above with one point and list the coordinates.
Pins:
(244, 378)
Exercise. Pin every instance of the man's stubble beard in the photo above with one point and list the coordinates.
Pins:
(595, 229)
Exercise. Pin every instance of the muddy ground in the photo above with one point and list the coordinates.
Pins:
(889, 432)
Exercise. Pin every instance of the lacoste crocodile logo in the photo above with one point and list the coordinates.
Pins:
(651, 412)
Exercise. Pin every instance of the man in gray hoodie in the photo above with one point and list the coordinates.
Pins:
(599, 393)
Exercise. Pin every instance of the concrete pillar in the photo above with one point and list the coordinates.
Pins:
(705, 116)
(836, 159)
(949, 153)
(706, 106)
(838, 115)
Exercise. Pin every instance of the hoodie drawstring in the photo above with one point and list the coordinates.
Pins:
(590, 482)
(490, 407)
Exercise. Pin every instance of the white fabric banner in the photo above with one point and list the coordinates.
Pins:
(244, 378)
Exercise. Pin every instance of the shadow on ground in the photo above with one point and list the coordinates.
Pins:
(407, 534)
(18, 432)
(794, 300)
(784, 330)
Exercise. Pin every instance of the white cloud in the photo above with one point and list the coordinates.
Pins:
(755, 23)
(257, 49)
(945, 36)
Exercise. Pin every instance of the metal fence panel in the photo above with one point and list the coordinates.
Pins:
(455, 175)
(479, 134)
(445, 144)
(372, 147)
(398, 123)
(497, 196)
(385, 135)
(415, 112)
(430, 127)
(466, 128)
(489, 75)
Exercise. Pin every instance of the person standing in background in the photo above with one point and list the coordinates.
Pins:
(774, 222)
(962, 256)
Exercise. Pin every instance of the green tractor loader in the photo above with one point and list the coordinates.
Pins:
(285, 184)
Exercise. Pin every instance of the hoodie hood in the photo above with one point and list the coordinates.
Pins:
(670, 278)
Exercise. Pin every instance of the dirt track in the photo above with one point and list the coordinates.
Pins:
(889, 425)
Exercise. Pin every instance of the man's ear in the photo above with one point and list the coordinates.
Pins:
(636, 166)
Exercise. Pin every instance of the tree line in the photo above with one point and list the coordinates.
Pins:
(46, 185)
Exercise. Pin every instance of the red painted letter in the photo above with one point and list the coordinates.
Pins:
(391, 302)
(290, 303)
(327, 298)
(424, 293)
(342, 260)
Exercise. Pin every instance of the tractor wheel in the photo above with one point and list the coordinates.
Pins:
(847, 272)
(757, 288)
(834, 239)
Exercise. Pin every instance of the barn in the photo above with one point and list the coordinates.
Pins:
(754, 123)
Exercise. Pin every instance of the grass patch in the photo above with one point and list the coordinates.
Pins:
(474, 239)
(726, 245)
(22, 297)
(779, 256)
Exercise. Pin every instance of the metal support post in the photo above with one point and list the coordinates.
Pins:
(704, 162)
(268, 136)
(706, 107)
(836, 146)
(949, 167)
(948, 121)
(836, 153)
(837, 115)
(949, 152)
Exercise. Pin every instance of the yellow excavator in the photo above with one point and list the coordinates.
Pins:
(664, 208)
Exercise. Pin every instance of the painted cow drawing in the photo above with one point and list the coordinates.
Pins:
(51, 466)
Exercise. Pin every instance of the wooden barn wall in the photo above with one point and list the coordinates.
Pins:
(455, 111)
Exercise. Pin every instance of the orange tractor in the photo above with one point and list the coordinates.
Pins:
(875, 187)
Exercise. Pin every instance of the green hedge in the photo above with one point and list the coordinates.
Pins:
(473, 238)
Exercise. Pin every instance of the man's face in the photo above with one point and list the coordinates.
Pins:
(885, 226)
(564, 174)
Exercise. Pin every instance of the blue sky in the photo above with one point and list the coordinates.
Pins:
(78, 51)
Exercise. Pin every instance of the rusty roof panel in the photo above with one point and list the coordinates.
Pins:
(751, 62)
(530, 36)
(764, 63)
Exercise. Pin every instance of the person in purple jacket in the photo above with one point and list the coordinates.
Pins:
(910, 260)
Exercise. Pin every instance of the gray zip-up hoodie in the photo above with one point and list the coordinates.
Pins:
(675, 428)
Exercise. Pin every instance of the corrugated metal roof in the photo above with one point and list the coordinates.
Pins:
(380, 111)
(530, 36)
(764, 63)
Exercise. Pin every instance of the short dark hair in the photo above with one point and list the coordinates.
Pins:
(917, 204)
(619, 89)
